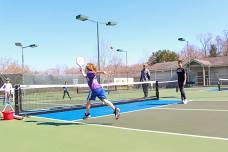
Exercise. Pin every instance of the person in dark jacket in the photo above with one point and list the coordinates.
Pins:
(145, 76)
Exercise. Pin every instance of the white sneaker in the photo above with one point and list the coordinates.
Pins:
(117, 113)
(185, 101)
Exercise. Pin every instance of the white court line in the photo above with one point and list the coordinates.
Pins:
(177, 109)
(161, 132)
(139, 130)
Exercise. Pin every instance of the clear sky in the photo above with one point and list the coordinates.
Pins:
(143, 26)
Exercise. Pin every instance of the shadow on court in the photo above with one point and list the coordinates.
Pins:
(99, 123)
(155, 104)
(168, 97)
(45, 123)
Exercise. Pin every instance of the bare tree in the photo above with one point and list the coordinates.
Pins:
(191, 53)
(226, 35)
(219, 44)
(205, 40)
(225, 43)
(11, 66)
(71, 70)
(110, 61)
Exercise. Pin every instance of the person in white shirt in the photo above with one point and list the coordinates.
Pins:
(7, 87)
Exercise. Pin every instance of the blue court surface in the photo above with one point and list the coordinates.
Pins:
(76, 115)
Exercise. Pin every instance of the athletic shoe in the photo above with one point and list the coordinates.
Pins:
(185, 101)
(86, 116)
(117, 113)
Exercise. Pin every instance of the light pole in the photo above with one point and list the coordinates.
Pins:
(119, 50)
(22, 56)
(109, 23)
(183, 40)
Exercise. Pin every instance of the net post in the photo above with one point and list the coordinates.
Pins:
(17, 99)
(219, 85)
(157, 89)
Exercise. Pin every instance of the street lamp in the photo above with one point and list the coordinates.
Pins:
(183, 40)
(119, 50)
(22, 56)
(109, 23)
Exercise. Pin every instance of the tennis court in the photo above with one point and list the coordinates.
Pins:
(150, 125)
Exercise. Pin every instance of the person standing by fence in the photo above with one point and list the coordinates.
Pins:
(7, 87)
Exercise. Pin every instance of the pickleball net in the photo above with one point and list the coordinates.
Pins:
(37, 99)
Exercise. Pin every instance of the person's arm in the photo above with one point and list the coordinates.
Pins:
(148, 74)
(83, 72)
(2, 87)
(185, 77)
(101, 72)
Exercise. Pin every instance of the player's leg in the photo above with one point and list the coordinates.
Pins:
(90, 97)
(179, 86)
(116, 111)
(108, 103)
(146, 90)
(68, 94)
(183, 96)
(87, 113)
(64, 93)
(101, 95)
(6, 98)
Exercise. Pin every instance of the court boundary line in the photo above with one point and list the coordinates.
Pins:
(138, 130)
(191, 109)
(78, 121)
(161, 132)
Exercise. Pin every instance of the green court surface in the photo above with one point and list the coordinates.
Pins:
(201, 125)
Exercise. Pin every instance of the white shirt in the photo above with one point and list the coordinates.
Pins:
(7, 87)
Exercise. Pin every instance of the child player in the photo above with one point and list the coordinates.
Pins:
(66, 91)
(96, 90)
